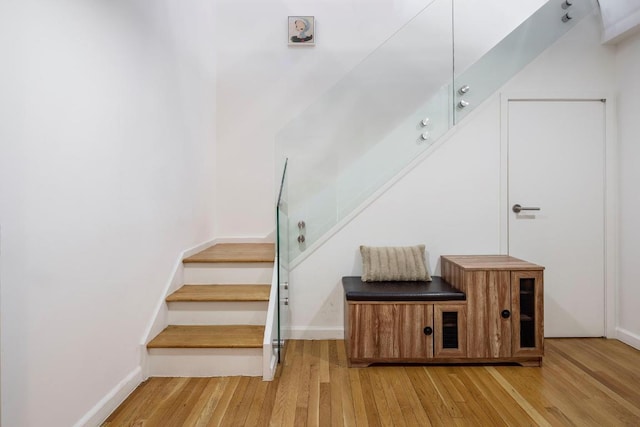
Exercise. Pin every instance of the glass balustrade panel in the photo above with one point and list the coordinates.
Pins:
(485, 76)
(282, 248)
(369, 125)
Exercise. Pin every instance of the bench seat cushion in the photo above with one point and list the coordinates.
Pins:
(435, 290)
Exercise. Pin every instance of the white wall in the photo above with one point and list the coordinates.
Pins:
(620, 18)
(430, 205)
(107, 133)
(628, 70)
(108, 167)
(450, 201)
(263, 83)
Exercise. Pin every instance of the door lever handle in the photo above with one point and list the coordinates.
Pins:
(517, 208)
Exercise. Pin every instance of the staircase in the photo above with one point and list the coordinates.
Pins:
(217, 319)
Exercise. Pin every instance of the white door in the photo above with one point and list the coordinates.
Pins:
(556, 163)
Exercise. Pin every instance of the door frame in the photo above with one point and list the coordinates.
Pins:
(611, 188)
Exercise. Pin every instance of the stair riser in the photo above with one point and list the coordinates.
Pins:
(244, 273)
(205, 362)
(218, 313)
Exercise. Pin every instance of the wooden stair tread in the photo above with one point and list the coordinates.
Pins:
(235, 252)
(209, 336)
(206, 293)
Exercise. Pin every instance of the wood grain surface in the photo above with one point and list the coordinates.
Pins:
(205, 293)
(234, 252)
(584, 382)
(538, 349)
(390, 331)
(209, 336)
(491, 284)
(491, 262)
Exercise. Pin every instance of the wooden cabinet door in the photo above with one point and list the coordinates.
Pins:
(450, 331)
(488, 296)
(527, 321)
(389, 332)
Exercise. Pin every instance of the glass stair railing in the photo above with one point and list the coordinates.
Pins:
(282, 255)
(390, 109)
(516, 50)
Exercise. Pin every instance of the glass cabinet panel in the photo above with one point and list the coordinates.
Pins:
(527, 310)
(450, 337)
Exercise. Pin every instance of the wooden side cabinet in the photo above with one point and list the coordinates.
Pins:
(381, 332)
(505, 313)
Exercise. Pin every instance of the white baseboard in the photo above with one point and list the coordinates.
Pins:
(217, 313)
(316, 333)
(269, 359)
(198, 248)
(161, 312)
(628, 337)
(227, 273)
(205, 362)
(269, 238)
(160, 318)
(112, 400)
(269, 364)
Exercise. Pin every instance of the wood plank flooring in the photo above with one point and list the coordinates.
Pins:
(583, 382)
(234, 252)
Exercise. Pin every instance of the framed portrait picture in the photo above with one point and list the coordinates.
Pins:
(302, 31)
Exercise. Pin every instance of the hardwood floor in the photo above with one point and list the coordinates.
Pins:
(583, 382)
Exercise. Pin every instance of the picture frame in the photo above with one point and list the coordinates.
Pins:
(301, 31)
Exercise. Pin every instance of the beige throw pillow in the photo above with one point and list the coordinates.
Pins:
(402, 263)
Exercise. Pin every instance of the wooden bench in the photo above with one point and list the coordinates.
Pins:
(485, 309)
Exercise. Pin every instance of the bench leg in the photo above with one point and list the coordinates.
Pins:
(532, 363)
(358, 364)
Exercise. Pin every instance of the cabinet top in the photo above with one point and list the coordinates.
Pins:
(490, 262)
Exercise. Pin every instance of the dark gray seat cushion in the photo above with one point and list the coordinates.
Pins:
(435, 290)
